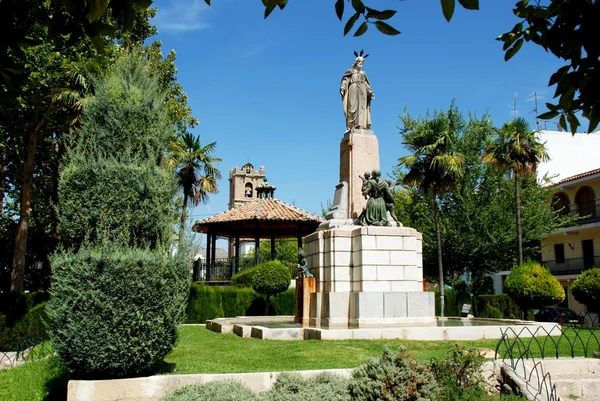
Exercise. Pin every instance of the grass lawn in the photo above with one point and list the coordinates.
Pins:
(200, 350)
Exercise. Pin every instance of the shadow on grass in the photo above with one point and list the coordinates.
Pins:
(56, 387)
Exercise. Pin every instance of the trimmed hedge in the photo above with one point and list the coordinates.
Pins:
(28, 330)
(208, 302)
(244, 278)
(497, 307)
(116, 312)
(532, 286)
(16, 305)
(586, 289)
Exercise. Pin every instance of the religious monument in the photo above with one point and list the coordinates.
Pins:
(368, 269)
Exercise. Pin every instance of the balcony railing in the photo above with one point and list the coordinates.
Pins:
(571, 266)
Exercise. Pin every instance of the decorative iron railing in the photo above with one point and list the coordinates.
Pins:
(521, 351)
(27, 348)
(571, 266)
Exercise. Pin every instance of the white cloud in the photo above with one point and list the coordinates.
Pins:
(181, 15)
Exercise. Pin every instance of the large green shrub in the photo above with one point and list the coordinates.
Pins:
(586, 289)
(293, 387)
(393, 377)
(115, 312)
(533, 286)
(213, 391)
(112, 182)
(271, 278)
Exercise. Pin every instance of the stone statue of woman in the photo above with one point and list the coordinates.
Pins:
(357, 95)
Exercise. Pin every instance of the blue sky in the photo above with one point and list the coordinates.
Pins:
(268, 90)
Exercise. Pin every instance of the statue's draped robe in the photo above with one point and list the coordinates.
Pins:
(356, 99)
(375, 213)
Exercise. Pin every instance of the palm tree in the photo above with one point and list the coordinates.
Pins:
(516, 149)
(434, 167)
(196, 172)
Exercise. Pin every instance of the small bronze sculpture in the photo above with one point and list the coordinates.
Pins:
(302, 265)
(380, 195)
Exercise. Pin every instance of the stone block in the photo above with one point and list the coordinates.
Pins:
(413, 273)
(335, 305)
(342, 286)
(390, 273)
(409, 243)
(361, 242)
(405, 286)
(342, 244)
(405, 258)
(385, 242)
(419, 245)
(341, 258)
(356, 286)
(376, 286)
(341, 273)
(364, 273)
(366, 305)
(375, 258)
(418, 304)
(316, 299)
(394, 305)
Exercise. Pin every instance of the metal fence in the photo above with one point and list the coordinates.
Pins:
(27, 348)
(522, 351)
(571, 266)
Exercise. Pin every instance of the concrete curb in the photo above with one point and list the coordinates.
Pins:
(152, 388)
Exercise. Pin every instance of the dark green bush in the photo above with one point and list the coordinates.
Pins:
(244, 278)
(488, 306)
(28, 330)
(138, 211)
(209, 302)
(116, 312)
(451, 307)
(16, 305)
(533, 286)
(271, 278)
(212, 391)
(393, 377)
(586, 289)
(293, 387)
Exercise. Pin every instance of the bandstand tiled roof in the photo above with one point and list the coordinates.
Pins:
(265, 217)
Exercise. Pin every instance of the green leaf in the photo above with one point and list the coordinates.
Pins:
(448, 9)
(361, 29)
(557, 76)
(380, 15)
(96, 9)
(269, 6)
(339, 9)
(386, 28)
(470, 4)
(594, 120)
(549, 115)
(207, 2)
(573, 122)
(358, 6)
(562, 121)
(282, 4)
(350, 23)
(513, 50)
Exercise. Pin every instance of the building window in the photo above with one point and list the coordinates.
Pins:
(585, 201)
(248, 190)
(559, 253)
(560, 202)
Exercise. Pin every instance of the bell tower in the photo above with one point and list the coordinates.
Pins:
(242, 184)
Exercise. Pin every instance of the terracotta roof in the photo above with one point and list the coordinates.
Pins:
(578, 176)
(268, 217)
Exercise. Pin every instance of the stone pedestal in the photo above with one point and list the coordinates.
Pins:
(359, 152)
(367, 276)
(304, 288)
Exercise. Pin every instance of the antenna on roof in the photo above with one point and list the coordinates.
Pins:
(514, 111)
(534, 98)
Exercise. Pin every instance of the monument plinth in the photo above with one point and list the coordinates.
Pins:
(359, 152)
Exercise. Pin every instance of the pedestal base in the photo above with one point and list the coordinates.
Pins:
(367, 276)
(305, 287)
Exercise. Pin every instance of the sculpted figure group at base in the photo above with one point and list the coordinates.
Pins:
(380, 195)
(357, 95)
